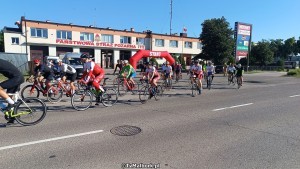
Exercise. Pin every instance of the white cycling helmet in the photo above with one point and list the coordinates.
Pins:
(125, 61)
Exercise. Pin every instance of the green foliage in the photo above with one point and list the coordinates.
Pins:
(153, 61)
(230, 60)
(261, 53)
(217, 40)
(295, 72)
(1, 41)
(182, 62)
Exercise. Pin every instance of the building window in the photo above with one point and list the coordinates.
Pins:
(107, 38)
(188, 45)
(64, 34)
(199, 45)
(159, 42)
(140, 41)
(125, 39)
(15, 41)
(37, 32)
(86, 36)
(174, 43)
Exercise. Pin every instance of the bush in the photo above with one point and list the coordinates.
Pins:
(295, 72)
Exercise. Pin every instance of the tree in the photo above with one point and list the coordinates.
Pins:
(277, 47)
(262, 54)
(1, 41)
(217, 40)
(289, 47)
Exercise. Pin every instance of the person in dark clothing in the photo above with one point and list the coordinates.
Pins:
(43, 72)
(119, 65)
(12, 84)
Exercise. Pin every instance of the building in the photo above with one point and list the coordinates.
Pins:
(38, 39)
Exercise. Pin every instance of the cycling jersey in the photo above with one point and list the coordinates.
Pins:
(239, 71)
(129, 70)
(44, 71)
(15, 77)
(152, 70)
(210, 70)
(231, 69)
(69, 71)
(197, 70)
(91, 69)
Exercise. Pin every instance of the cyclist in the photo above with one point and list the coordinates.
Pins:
(239, 73)
(119, 65)
(168, 71)
(225, 69)
(67, 72)
(210, 71)
(12, 84)
(43, 72)
(178, 69)
(231, 71)
(152, 74)
(92, 73)
(197, 70)
(163, 70)
(130, 72)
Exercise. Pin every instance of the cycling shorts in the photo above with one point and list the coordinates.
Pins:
(12, 85)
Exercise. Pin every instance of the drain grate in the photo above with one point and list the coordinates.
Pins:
(126, 130)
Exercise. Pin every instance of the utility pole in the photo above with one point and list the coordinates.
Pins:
(171, 13)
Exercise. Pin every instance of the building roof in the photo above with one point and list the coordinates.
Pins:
(12, 30)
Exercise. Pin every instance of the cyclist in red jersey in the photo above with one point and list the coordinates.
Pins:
(93, 74)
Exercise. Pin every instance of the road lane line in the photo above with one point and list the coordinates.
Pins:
(48, 140)
(295, 95)
(232, 107)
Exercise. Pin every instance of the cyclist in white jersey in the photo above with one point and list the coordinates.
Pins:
(210, 71)
(196, 69)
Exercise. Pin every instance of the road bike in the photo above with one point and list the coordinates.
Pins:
(231, 78)
(149, 91)
(33, 90)
(26, 111)
(239, 82)
(194, 86)
(209, 81)
(123, 85)
(82, 99)
(57, 90)
(167, 83)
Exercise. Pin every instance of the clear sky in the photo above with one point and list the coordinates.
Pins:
(271, 19)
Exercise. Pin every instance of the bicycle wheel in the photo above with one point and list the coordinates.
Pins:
(159, 92)
(144, 95)
(209, 82)
(109, 97)
(194, 89)
(54, 93)
(30, 91)
(81, 100)
(30, 111)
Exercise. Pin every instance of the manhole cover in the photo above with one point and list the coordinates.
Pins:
(126, 130)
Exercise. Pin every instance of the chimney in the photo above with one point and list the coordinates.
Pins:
(183, 34)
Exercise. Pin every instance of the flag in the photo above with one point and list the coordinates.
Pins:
(184, 29)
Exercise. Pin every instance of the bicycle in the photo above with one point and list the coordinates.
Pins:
(56, 91)
(123, 86)
(194, 86)
(82, 99)
(26, 111)
(149, 91)
(33, 90)
(239, 82)
(167, 83)
(209, 81)
(231, 78)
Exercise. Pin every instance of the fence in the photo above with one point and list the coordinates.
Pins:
(268, 68)
(19, 60)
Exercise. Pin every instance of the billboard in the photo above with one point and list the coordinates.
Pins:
(242, 36)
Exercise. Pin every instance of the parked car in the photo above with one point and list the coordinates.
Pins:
(219, 69)
(74, 60)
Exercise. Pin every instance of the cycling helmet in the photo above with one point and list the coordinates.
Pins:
(36, 61)
(125, 61)
(239, 65)
(84, 55)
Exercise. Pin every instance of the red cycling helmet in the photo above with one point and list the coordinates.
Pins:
(36, 61)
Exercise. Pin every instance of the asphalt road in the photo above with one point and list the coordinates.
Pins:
(256, 126)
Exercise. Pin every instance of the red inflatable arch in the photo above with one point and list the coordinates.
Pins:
(147, 53)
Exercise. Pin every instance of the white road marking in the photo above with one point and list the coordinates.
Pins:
(48, 140)
(295, 95)
(232, 107)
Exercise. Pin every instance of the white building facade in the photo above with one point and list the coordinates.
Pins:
(38, 39)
